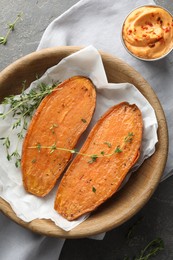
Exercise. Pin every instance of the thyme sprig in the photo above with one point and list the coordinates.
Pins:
(22, 108)
(151, 249)
(93, 157)
(11, 26)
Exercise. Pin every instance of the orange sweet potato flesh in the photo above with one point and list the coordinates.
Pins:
(60, 120)
(87, 183)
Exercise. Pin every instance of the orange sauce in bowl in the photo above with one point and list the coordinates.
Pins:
(148, 32)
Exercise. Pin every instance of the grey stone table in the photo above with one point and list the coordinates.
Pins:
(154, 220)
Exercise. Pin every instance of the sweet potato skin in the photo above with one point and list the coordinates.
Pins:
(86, 183)
(60, 119)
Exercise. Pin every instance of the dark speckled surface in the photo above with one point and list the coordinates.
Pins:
(153, 221)
(156, 218)
(36, 17)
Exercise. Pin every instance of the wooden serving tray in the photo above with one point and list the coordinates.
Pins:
(133, 196)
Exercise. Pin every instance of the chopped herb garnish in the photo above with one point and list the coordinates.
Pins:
(83, 120)
(34, 160)
(102, 152)
(93, 189)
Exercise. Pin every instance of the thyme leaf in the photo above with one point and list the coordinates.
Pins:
(129, 137)
(38, 146)
(118, 149)
(93, 158)
(3, 40)
(53, 148)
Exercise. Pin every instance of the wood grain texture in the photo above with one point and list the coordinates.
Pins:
(142, 183)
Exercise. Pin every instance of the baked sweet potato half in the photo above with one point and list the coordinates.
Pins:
(111, 149)
(59, 121)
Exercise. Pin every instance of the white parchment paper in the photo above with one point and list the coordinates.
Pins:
(86, 62)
